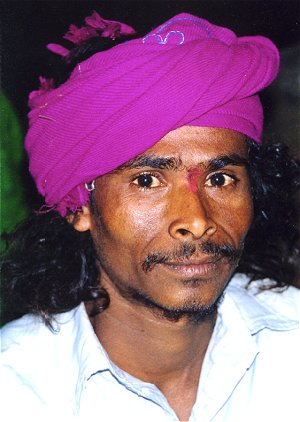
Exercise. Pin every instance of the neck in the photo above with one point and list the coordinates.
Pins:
(154, 349)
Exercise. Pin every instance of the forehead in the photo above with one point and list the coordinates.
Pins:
(195, 144)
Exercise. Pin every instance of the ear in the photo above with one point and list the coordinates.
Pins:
(81, 220)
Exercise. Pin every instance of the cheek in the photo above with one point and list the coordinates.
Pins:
(130, 220)
(240, 217)
(231, 209)
(235, 217)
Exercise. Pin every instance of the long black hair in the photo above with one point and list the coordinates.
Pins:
(49, 267)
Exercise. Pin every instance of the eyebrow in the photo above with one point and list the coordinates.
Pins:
(227, 160)
(154, 161)
(175, 163)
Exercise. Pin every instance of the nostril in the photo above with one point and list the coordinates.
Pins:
(184, 232)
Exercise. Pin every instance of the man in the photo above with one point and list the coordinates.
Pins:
(132, 306)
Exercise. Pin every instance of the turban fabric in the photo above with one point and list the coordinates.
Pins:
(120, 102)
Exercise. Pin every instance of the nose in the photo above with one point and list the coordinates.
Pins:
(191, 217)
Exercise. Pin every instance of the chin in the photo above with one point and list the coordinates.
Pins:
(194, 307)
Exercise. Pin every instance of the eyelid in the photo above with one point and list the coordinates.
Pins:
(224, 173)
(150, 173)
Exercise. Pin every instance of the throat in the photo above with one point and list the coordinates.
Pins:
(134, 333)
(157, 347)
(168, 354)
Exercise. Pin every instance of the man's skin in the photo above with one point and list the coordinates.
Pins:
(161, 314)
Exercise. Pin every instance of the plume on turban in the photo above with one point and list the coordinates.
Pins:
(120, 102)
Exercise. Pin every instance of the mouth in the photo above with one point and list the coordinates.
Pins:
(193, 259)
(193, 268)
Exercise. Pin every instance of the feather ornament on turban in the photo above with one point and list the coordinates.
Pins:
(120, 102)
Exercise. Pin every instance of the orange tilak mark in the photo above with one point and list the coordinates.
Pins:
(193, 177)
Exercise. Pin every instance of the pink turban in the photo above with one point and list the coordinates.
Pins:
(121, 101)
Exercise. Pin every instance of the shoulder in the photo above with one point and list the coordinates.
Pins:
(23, 345)
(272, 320)
(276, 309)
(20, 369)
(26, 344)
(23, 342)
(30, 334)
(33, 359)
(30, 338)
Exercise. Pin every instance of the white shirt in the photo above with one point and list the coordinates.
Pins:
(251, 370)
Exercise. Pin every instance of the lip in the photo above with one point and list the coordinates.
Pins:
(191, 268)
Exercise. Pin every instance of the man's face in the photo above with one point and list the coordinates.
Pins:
(169, 225)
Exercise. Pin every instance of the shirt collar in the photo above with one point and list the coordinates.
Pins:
(88, 353)
(241, 315)
(233, 347)
(91, 358)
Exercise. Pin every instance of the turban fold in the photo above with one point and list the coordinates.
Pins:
(120, 102)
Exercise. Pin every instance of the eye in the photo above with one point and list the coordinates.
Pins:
(220, 180)
(147, 180)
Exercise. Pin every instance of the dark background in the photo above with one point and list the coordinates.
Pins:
(27, 26)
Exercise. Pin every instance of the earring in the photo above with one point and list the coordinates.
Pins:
(90, 186)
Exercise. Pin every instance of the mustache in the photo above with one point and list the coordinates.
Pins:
(187, 250)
